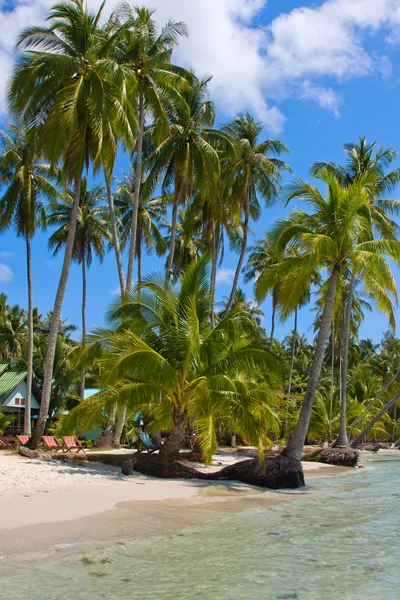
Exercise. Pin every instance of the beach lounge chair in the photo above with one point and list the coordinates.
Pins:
(23, 439)
(71, 442)
(51, 443)
(147, 442)
(5, 444)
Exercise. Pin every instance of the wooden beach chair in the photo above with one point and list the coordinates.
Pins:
(147, 442)
(71, 443)
(23, 439)
(51, 443)
(4, 444)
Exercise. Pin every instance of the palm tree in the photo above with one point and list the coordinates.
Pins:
(256, 172)
(154, 80)
(150, 218)
(65, 82)
(328, 238)
(188, 158)
(92, 231)
(190, 244)
(168, 362)
(363, 158)
(21, 206)
(12, 331)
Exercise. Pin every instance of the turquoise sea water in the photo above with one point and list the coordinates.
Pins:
(343, 545)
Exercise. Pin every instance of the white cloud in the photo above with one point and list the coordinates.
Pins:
(255, 66)
(6, 254)
(225, 275)
(6, 274)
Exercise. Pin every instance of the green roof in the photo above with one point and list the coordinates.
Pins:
(3, 367)
(9, 381)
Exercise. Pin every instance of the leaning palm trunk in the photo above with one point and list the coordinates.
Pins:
(271, 339)
(119, 426)
(170, 450)
(378, 395)
(114, 231)
(292, 357)
(363, 434)
(294, 448)
(342, 440)
(55, 322)
(138, 180)
(27, 416)
(242, 255)
(82, 385)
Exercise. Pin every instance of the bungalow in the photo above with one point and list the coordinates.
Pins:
(13, 397)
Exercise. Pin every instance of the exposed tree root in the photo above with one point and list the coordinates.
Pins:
(279, 473)
(343, 457)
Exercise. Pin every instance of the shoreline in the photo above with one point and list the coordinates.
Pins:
(57, 507)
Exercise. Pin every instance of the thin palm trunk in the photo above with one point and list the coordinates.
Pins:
(363, 434)
(114, 231)
(271, 339)
(136, 195)
(215, 253)
(332, 379)
(55, 321)
(378, 395)
(119, 426)
(294, 447)
(242, 254)
(139, 257)
(177, 197)
(292, 357)
(343, 440)
(27, 415)
(82, 385)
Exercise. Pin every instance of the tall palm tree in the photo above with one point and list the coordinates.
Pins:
(188, 159)
(27, 184)
(92, 231)
(150, 218)
(155, 82)
(168, 362)
(363, 158)
(328, 238)
(256, 173)
(64, 81)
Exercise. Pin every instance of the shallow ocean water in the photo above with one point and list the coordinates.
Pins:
(342, 544)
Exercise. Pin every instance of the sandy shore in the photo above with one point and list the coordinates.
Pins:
(51, 504)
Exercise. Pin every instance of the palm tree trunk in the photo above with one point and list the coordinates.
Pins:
(378, 395)
(139, 257)
(332, 379)
(114, 231)
(136, 196)
(27, 414)
(177, 197)
(83, 264)
(357, 440)
(343, 441)
(294, 448)
(271, 339)
(170, 449)
(242, 254)
(55, 322)
(215, 253)
(119, 425)
(105, 439)
(292, 357)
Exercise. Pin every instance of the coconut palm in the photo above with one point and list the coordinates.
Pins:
(363, 158)
(166, 361)
(65, 82)
(150, 218)
(12, 331)
(154, 80)
(27, 185)
(92, 232)
(188, 159)
(256, 174)
(328, 238)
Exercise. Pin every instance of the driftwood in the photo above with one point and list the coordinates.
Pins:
(279, 472)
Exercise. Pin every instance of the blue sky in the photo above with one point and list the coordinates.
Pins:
(317, 74)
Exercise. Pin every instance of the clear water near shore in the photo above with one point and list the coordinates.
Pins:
(343, 544)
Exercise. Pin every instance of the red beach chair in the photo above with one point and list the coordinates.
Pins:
(51, 443)
(4, 443)
(72, 443)
(23, 439)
